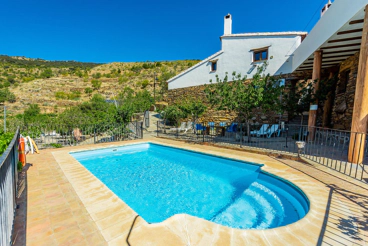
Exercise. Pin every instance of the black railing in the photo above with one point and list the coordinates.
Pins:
(56, 135)
(328, 147)
(8, 189)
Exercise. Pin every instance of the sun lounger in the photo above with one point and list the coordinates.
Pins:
(273, 130)
(261, 131)
(181, 128)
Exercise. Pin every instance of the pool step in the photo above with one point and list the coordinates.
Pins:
(258, 207)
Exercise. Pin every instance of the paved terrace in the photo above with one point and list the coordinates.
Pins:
(67, 205)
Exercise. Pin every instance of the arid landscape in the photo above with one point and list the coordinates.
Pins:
(55, 86)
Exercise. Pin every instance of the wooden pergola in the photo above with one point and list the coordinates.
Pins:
(349, 39)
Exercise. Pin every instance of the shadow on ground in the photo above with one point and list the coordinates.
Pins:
(346, 210)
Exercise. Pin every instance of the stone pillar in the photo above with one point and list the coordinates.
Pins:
(328, 104)
(360, 111)
(316, 76)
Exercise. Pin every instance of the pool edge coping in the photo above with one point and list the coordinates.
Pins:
(305, 220)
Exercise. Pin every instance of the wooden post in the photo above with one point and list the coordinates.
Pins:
(360, 111)
(316, 76)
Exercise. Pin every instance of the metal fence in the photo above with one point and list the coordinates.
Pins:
(328, 147)
(55, 136)
(8, 187)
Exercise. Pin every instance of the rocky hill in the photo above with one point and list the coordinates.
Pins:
(56, 85)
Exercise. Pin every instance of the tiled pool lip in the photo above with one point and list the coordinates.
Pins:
(302, 230)
(163, 145)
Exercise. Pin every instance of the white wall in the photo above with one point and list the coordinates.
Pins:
(237, 55)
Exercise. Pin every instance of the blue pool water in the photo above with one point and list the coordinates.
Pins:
(159, 182)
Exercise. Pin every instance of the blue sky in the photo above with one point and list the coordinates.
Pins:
(112, 30)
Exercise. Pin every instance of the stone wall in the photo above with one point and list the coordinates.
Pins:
(345, 92)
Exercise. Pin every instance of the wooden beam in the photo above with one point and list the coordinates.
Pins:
(350, 31)
(340, 46)
(316, 76)
(326, 61)
(341, 56)
(327, 57)
(360, 111)
(344, 40)
(341, 51)
(356, 22)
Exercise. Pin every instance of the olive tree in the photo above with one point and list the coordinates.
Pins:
(245, 97)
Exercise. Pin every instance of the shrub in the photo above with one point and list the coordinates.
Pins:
(96, 75)
(60, 95)
(144, 84)
(28, 79)
(123, 80)
(56, 145)
(88, 90)
(19, 166)
(11, 79)
(96, 84)
(47, 73)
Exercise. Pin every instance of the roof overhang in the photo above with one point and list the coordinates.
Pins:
(260, 34)
(337, 34)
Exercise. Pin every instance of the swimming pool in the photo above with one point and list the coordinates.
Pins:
(159, 182)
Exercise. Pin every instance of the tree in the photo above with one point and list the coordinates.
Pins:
(192, 107)
(173, 113)
(31, 113)
(245, 97)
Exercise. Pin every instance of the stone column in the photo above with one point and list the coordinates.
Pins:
(360, 111)
(327, 108)
(316, 76)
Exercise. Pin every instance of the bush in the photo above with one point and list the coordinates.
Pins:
(47, 73)
(74, 95)
(11, 79)
(28, 79)
(56, 145)
(123, 80)
(6, 95)
(144, 84)
(88, 90)
(96, 84)
(60, 95)
(136, 68)
(96, 75)
(19, 166)
(5, 139)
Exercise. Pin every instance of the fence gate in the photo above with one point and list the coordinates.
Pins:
(146, 119)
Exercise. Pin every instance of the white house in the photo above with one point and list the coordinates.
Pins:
(242, 53)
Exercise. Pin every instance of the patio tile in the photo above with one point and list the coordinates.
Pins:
(67, 205)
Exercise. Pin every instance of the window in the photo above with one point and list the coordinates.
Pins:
(213, 66)
(260, 55)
